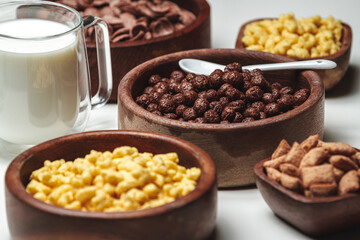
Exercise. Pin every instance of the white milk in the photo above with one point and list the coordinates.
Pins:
(39, 97)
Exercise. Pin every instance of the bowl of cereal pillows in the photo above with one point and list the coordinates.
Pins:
(113, 185)
(236, 116)
(313, 185)
(301, 39)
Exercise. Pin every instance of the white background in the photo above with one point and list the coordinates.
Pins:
(242, 213)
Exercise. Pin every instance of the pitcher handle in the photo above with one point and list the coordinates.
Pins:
(103, 60)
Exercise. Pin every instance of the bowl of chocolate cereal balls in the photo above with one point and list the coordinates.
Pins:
(301, 38)
(114, 185)
(142, 30)
(235, 115)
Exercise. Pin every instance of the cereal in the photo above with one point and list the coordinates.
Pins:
(315, 168)
(113, 181)
(134, 20)
(301, 37)
(349, 183)
(235, 95)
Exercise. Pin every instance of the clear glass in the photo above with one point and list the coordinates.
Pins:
(44, 71)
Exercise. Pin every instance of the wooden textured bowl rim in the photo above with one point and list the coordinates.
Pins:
(204, 13)
(125, 97)
(259, 172)
(17, 189)
(345, 40)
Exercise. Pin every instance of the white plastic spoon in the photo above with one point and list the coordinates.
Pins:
(197, 66)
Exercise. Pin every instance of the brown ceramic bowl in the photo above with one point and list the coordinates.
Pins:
(190, 217)
(330, 77)
(234, 147)
(127, 55)
(314, 216)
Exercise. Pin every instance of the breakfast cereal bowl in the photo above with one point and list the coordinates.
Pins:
(189, 217)
(314, 216)
(330, 77)
(126, 55)
(235, 147)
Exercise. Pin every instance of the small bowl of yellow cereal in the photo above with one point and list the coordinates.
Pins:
(301, 39)
(112, 184)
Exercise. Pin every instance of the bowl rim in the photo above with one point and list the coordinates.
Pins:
(346, 40)
(260, 173)
(125, 98)
(207, 180)
(204, 13)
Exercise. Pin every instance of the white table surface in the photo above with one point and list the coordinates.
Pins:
(242, 213)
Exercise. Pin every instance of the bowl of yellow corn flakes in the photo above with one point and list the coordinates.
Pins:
(113, 184)
(301, 39)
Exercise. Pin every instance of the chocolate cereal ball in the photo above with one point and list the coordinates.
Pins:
(143, 100)
(189, 114)
(211, 95)
(217, 106)
(154, 97)
(286, 90)
(222, 89)
(152, 107)
(260, 106)
(154, 79)
(272, 109)
(200, 82)
(233, 67)
(201, 105)
(174, 86)
(211, 116)
(180, 110)
(234, 78)
(259, 80)
(252, 112)
(166, 105)
(300, 96)
(215, 79)
(268, 98)
(238, 117)
(246, 75)
(177, 75)
(239, 105)
(179, 99)
(224, 101)
(286, 102)
(228, 113)
(232, 94)
(190, 76)
(190, 97)
(185, 86)
(161, 87)
(254, 94)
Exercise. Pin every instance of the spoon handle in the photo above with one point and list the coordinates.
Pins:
(310, 64)
(204, 67)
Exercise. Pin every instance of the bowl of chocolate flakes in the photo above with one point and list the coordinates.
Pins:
(142, 30)
(237, 116)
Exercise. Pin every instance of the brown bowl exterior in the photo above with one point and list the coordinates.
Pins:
(330, 77)
(314, 216)
(127, 55)
(190, 217)
(234, 147)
